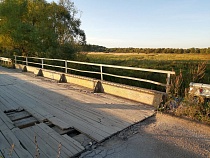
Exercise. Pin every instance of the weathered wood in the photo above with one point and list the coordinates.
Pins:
(35, 114)
(6, 120)
(98, 121)
(11, 138)
(3, 126)
(48, 150)
(28, 104)
(19, 115)
(61, 124)
(70, 146)
(60, 131)
(91, 110)
(51, 141)
(6, 99)
(6, 148)
(25, 122)
(96, 115)
(74, 121)
(82, 114)
(1, 155)
(28, 142)
(73, 141)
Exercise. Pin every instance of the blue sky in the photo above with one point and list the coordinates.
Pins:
(146, 23)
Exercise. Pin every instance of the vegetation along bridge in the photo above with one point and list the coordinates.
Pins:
(40, 116)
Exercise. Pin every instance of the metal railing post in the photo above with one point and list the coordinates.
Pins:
(66, 66)
(42, 63)
(26, 61)
(168, 83)
(101, 69)
(15, 59)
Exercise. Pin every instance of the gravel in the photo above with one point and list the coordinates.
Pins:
(160, 136)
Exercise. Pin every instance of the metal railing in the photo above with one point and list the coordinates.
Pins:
(43, 63)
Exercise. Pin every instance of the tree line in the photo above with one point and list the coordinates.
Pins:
(39, 28)
(97, 48)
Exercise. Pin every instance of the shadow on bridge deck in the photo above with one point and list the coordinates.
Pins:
(65, 114)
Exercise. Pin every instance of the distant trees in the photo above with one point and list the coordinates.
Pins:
(96, 48)
(35, 27)
(93, 48)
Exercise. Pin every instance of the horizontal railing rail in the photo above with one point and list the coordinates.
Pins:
(42, 62)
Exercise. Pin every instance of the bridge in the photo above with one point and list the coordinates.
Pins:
(46, 113)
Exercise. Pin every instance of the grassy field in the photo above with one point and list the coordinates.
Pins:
(136, 56)
(140, 59)
(184, 62)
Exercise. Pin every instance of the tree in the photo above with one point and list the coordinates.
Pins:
(192, 50)
(35, 27)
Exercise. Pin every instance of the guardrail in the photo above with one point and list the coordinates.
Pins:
(43, 63)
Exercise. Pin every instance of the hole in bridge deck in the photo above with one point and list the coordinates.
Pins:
(21, 118)
(83, 139)
(70, 131)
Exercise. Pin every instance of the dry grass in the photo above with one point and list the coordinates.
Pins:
(194, 109)
(136, 56)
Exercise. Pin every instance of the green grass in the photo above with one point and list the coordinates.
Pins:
(176, 62)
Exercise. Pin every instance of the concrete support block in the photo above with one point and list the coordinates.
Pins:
(63, 79)
(99, 88)
(24, 69)
(39, 72)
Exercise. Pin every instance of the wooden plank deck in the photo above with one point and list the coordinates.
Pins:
(98, 116)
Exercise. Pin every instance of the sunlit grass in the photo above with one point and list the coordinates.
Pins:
(176, 62)
(134, 56)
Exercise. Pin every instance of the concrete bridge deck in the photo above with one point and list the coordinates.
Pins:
(37, 115)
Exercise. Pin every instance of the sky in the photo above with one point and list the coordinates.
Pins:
(146, 23)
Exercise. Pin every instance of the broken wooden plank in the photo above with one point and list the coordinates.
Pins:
(19, 115)
(70, 146)
(73, 141)
(11, 111)
(26, 122)
(51, 141)
(35, 114)
(61, 124)
(60, 131)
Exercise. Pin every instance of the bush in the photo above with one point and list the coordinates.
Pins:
(194, 108)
